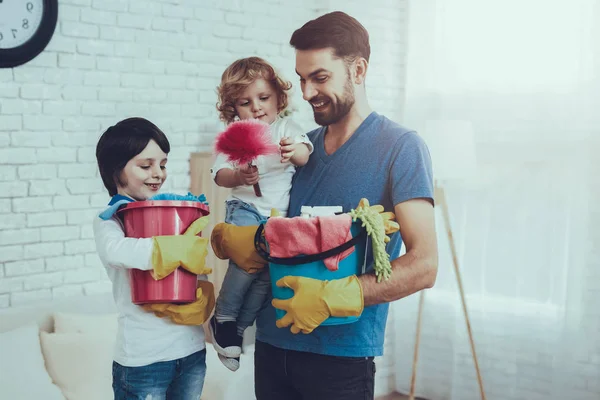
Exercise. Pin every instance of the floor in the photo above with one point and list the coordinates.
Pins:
(397, 396)
(393, 396)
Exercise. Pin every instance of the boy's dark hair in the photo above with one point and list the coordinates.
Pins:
(348, 38)
(120, 143)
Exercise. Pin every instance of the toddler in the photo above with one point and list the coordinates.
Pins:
(251, 89)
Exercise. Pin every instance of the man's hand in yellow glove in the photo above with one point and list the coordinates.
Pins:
(237, 243)
(314, 301)
(188, 251)
(195, 313)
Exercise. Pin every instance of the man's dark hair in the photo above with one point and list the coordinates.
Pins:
(348, 38)
(120, 143)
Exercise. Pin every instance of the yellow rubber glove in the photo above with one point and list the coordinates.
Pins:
(378, 225)
(314, 301)
(195, 313)
(187, 251)
(237, 243)
(388, 218)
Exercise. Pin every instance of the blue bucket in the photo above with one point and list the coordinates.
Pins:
(312, 266)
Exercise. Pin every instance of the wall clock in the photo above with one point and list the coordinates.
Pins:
(26, 27)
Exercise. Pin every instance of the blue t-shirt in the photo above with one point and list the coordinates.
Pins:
(383, 162)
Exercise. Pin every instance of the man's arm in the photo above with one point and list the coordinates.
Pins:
(415, 270)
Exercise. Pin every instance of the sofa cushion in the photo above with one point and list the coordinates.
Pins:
(22, 372)
(42, 313)
(80, 363)
(106, 324)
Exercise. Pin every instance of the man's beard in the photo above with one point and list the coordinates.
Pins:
(338, 110)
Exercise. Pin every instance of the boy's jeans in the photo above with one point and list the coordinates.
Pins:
(242, 294)
(167, 380)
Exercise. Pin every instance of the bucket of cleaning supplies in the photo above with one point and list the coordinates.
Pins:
(312, 266)
(145, 219)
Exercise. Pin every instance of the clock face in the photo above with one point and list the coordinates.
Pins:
(26, 27)
(19, 21)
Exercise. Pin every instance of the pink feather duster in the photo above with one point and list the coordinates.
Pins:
(243, 141)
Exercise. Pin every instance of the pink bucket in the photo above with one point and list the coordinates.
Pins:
(144, 219)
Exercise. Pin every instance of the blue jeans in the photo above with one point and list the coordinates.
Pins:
(180, 379)
(242, 294)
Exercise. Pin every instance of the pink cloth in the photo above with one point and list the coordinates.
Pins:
(289, 237)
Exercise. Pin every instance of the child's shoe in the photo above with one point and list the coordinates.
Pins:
(225, 339)
(231, 363)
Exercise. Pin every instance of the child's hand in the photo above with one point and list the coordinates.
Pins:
(248, 174)
(288, 149)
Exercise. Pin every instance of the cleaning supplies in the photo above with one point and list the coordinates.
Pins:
(319, 211)
(378, 225)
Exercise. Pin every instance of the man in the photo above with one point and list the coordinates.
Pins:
(357, 153)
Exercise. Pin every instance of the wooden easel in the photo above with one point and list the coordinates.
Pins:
(440, 198)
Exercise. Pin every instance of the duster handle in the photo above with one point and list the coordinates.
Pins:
(257, 191)
(256, 187)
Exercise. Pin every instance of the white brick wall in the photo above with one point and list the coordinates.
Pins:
(109, 60)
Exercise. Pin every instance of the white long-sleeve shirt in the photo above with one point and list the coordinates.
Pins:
(142, 337)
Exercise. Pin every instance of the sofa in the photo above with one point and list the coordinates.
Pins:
(63, 350)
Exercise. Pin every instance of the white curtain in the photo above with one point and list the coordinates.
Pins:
(525, 75)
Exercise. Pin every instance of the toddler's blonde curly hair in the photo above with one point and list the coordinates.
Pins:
(242, 73)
